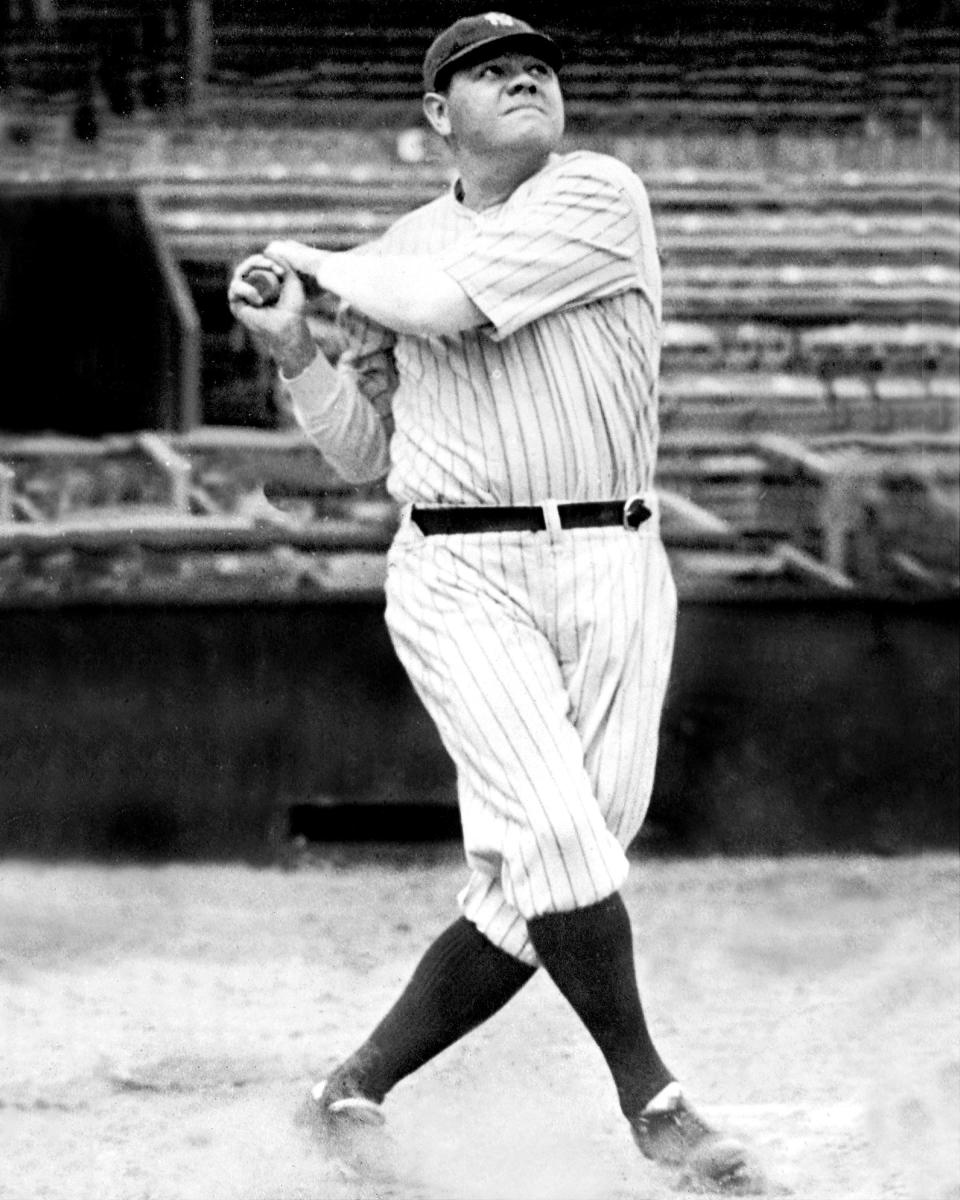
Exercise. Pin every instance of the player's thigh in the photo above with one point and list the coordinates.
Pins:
(618, 675)
(492, 683)
(490, 679)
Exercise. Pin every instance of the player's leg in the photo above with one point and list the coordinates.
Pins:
(617, 684)
(623, 637)
(478, 628)
(614, 645)
(492, 678)
(465, 976)
(470, 621)
(588, 954)
(461, 981)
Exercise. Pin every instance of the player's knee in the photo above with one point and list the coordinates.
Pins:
(579, 874)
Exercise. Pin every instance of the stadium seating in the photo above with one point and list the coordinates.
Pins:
(882, 509)
(745, 403)
(772, 292)
(835, 282)
(920, 347)
(676, 62)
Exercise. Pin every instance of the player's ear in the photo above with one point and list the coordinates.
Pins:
(435, 109)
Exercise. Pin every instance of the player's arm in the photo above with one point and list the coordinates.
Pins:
(344, 410)
(408, 293)
(583, 233)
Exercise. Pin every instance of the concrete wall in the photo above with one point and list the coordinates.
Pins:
(190, 731)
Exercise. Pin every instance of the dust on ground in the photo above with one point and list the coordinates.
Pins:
(160, 1026)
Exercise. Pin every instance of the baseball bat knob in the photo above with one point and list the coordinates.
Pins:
(268, 284)
(265, 282)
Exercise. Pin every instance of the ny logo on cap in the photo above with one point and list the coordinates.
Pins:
(498, 18)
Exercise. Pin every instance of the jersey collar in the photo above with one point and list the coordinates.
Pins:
(456, 188)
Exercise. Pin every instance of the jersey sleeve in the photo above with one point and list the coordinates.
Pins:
(584, 232)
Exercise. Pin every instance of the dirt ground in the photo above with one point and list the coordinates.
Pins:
(159, 1026)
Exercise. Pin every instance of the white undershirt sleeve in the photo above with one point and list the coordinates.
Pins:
(337, 417)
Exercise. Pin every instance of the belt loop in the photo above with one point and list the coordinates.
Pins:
(551, 517)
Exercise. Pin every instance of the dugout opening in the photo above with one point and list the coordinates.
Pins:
(401, 831)
(98, 330)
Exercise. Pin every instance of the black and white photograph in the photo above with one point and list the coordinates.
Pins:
(479, 600)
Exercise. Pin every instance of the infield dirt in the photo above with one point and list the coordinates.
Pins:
(159, 1027)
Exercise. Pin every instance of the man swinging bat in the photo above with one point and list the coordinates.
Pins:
(501, 365)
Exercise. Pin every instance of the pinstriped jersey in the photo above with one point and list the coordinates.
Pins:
(555, 395)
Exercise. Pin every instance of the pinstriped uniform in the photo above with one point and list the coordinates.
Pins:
(542, 657)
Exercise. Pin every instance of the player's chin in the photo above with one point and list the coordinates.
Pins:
(531, 129)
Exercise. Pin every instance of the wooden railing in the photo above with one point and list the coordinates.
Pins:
(243, 515)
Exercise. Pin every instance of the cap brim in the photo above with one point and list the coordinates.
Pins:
(502, 43)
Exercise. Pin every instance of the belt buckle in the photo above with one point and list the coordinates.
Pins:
(635, 512)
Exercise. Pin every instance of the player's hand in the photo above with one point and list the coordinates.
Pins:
(279, 328)
(295, 256)
(242, 294)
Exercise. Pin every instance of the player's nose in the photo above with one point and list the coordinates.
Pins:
(522, 81)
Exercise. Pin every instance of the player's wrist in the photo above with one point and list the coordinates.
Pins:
(294, 350)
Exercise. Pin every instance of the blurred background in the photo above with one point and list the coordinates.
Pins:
(192, 654)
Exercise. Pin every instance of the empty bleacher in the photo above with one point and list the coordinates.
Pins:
(802, 308)
(687, 63)
(669, 62)
(52, 55)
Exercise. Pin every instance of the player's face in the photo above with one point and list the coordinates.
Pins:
(509, 102)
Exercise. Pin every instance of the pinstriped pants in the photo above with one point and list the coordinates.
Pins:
(543, 658)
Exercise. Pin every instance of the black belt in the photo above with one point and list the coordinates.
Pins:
(492, 518)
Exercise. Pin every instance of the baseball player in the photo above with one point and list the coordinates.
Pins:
(501, 364)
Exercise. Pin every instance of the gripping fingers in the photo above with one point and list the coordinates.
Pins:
(268, 284)
(302, 260)
(256, 281)
(261, 287)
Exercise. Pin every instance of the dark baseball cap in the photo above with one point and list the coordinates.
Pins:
(475, 39)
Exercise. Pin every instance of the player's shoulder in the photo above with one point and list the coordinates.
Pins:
(590, 171)
(591, 164)
(413, 224)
